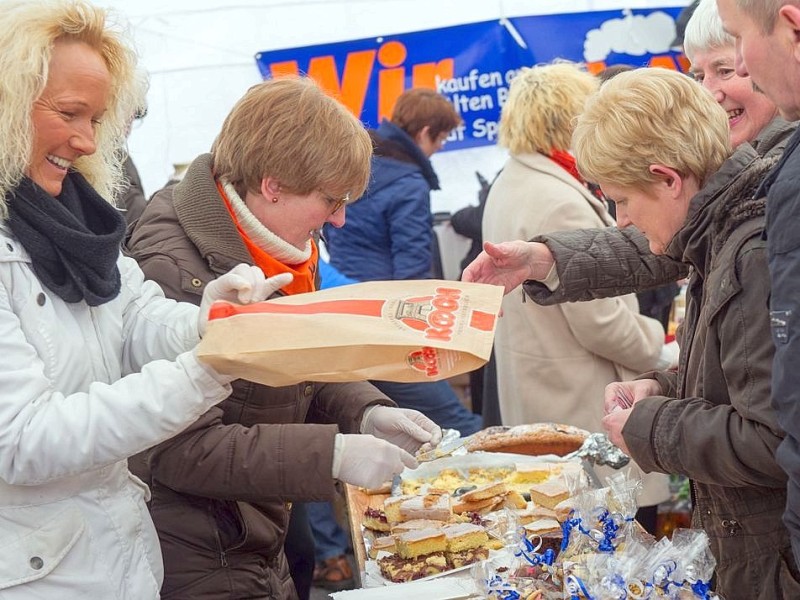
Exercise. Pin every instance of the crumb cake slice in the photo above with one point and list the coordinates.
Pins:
(400, 570)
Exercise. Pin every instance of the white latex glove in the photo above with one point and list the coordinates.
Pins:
(668, 359)
(244, 284)
(403, 427)
(367, 461)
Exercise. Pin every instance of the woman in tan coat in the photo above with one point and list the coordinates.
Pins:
(553, 362)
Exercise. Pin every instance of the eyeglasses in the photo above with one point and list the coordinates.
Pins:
(336, 203)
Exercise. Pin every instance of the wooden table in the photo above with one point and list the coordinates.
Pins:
(358, 501)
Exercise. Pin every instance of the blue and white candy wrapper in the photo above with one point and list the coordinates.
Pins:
(527, 549)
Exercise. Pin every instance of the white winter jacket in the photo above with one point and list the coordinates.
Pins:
(81, 389)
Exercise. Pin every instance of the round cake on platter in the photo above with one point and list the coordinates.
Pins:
(532, 439)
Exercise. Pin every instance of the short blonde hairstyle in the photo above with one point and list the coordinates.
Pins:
(28, 31)
(289, 129)
(650, 116)
(541, 107)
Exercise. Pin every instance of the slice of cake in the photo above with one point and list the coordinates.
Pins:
(391, 508)
(463, 536)
(456, 560)
(514, 500)
(531, 472)
(482, 492)
(381, 544)
(417, 524)
(412, 544)
(466, 544)
(375, 519)
(399, 570)
(549, 493)
(543, 526)
(533, 513)
(435, 506)
(479, 506)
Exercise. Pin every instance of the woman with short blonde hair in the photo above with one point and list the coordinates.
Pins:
(553, 362)
(658, 145)
(673, 120)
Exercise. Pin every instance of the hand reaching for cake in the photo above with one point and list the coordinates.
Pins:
(403, 427)
(367, 461)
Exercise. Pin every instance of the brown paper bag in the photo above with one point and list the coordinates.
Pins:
(421, 330)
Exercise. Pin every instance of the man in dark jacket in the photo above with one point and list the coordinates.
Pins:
(767, 51)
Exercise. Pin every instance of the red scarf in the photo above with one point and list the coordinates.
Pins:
(566, 161)
(303, 272)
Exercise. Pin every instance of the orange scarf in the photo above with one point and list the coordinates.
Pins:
(304, 273)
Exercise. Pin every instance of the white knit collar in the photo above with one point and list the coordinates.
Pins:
(260, 235)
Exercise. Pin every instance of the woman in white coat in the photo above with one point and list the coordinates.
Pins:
(553, 362)
(96, 364)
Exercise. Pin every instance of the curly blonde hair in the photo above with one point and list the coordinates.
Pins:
(650, 116)
(28, 31)
(541, 107)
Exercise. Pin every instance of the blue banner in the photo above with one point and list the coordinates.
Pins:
(473, 64)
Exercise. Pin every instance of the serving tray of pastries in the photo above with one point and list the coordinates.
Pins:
(451, 513)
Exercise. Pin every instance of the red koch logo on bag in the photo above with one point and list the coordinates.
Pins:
(426, 360)
(434, 315)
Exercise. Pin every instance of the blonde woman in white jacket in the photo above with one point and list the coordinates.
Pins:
(554, 362)
(96, 364)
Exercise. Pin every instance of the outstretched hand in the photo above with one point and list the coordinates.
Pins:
(509, 264)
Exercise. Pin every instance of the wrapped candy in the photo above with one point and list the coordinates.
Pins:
(696, 567)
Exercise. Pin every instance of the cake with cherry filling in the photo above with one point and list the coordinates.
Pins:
(375, 519)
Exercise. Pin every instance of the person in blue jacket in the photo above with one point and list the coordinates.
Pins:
(389, 230)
